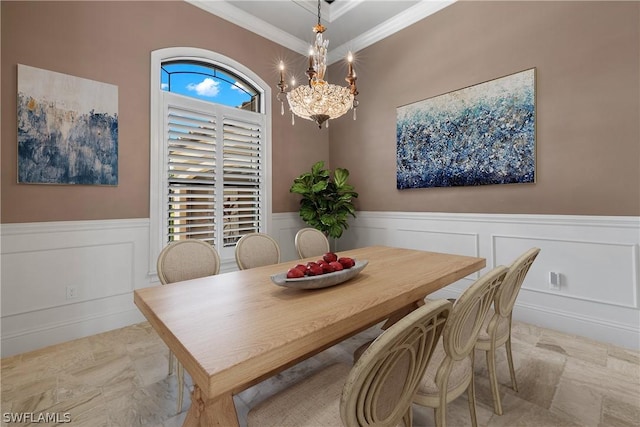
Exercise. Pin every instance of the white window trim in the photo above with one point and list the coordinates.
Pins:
(156, 118)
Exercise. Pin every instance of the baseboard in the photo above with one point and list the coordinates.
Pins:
(50, 334)
(618, 334)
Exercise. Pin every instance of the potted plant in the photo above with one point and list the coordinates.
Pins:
(326, 201)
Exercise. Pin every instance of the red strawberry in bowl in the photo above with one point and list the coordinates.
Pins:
(314, 270)
(330, 257)
(328, 268)
(294, 273)
(346, 262)
(336, 266)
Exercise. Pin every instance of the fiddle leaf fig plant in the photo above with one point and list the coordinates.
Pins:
(326, 201)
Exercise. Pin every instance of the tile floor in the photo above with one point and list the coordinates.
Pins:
(119, 378)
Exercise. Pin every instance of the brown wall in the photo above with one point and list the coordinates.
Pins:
(587, 57)
(588, 96)
(112, 42)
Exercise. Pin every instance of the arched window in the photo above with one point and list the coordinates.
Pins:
(209, 83)
(210, 152)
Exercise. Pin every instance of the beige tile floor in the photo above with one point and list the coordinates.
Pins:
(119, 378)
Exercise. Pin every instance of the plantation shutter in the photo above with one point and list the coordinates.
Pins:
(191, 178)
(215, 171)
(243, 178)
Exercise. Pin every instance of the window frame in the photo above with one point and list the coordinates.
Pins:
(157, 209)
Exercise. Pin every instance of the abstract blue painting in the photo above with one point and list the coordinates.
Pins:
(483, 134)
(67, 129)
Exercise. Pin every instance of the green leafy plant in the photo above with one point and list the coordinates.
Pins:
(326, 202)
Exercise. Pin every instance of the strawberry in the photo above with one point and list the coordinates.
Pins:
(328, 268)
(301, 267)
(346, 262)
(314, 270)
(336, 265)
(330, 257)
(294, 273)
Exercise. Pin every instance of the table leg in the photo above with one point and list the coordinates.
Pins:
(397, 315)
(205, 412)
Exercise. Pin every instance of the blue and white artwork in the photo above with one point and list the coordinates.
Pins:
(483, 134)
(67, 129)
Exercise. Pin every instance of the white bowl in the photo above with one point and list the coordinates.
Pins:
(321, 281)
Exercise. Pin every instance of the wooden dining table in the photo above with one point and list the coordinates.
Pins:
(231, 331)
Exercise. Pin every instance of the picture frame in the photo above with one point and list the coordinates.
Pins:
(479, 135)
(67, 129)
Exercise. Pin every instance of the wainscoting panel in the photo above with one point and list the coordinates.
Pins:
(610, 267)
(96, 271)
(102, 261)
(596, 258)
(443, 241)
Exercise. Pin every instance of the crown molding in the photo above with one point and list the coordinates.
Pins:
(249, 22)
(387, 28)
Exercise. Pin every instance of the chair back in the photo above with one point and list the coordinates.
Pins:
(506, 296)
(311, 242)
(381, 385)
(187, 259)
(256, 250)
(468, 314)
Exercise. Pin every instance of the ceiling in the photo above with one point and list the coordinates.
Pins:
(351, 25)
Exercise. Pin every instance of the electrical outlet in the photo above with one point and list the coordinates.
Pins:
(72, 292)
(554, 280)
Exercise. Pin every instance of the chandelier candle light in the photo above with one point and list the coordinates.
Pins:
(319, 100)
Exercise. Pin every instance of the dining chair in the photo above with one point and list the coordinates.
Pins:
(450, 372)
(496, 330)
(376, 391)
(184, 260)
(311, 242)
(256, 250)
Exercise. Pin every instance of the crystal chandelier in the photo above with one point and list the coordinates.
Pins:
(319, 101)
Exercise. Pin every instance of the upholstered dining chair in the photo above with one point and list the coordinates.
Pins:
(183, 260)
(256, 250)
(496, 330)
(450, 372)
(311, 242)
(376, 391)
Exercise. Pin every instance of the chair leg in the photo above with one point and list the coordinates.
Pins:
(493, 379)
(512, 371)
(471, 392)
(180, 385)
(408, 417)
(170, 362)
(440, 415)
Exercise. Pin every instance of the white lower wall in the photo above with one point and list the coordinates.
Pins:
(105, 261)
(597, 258)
